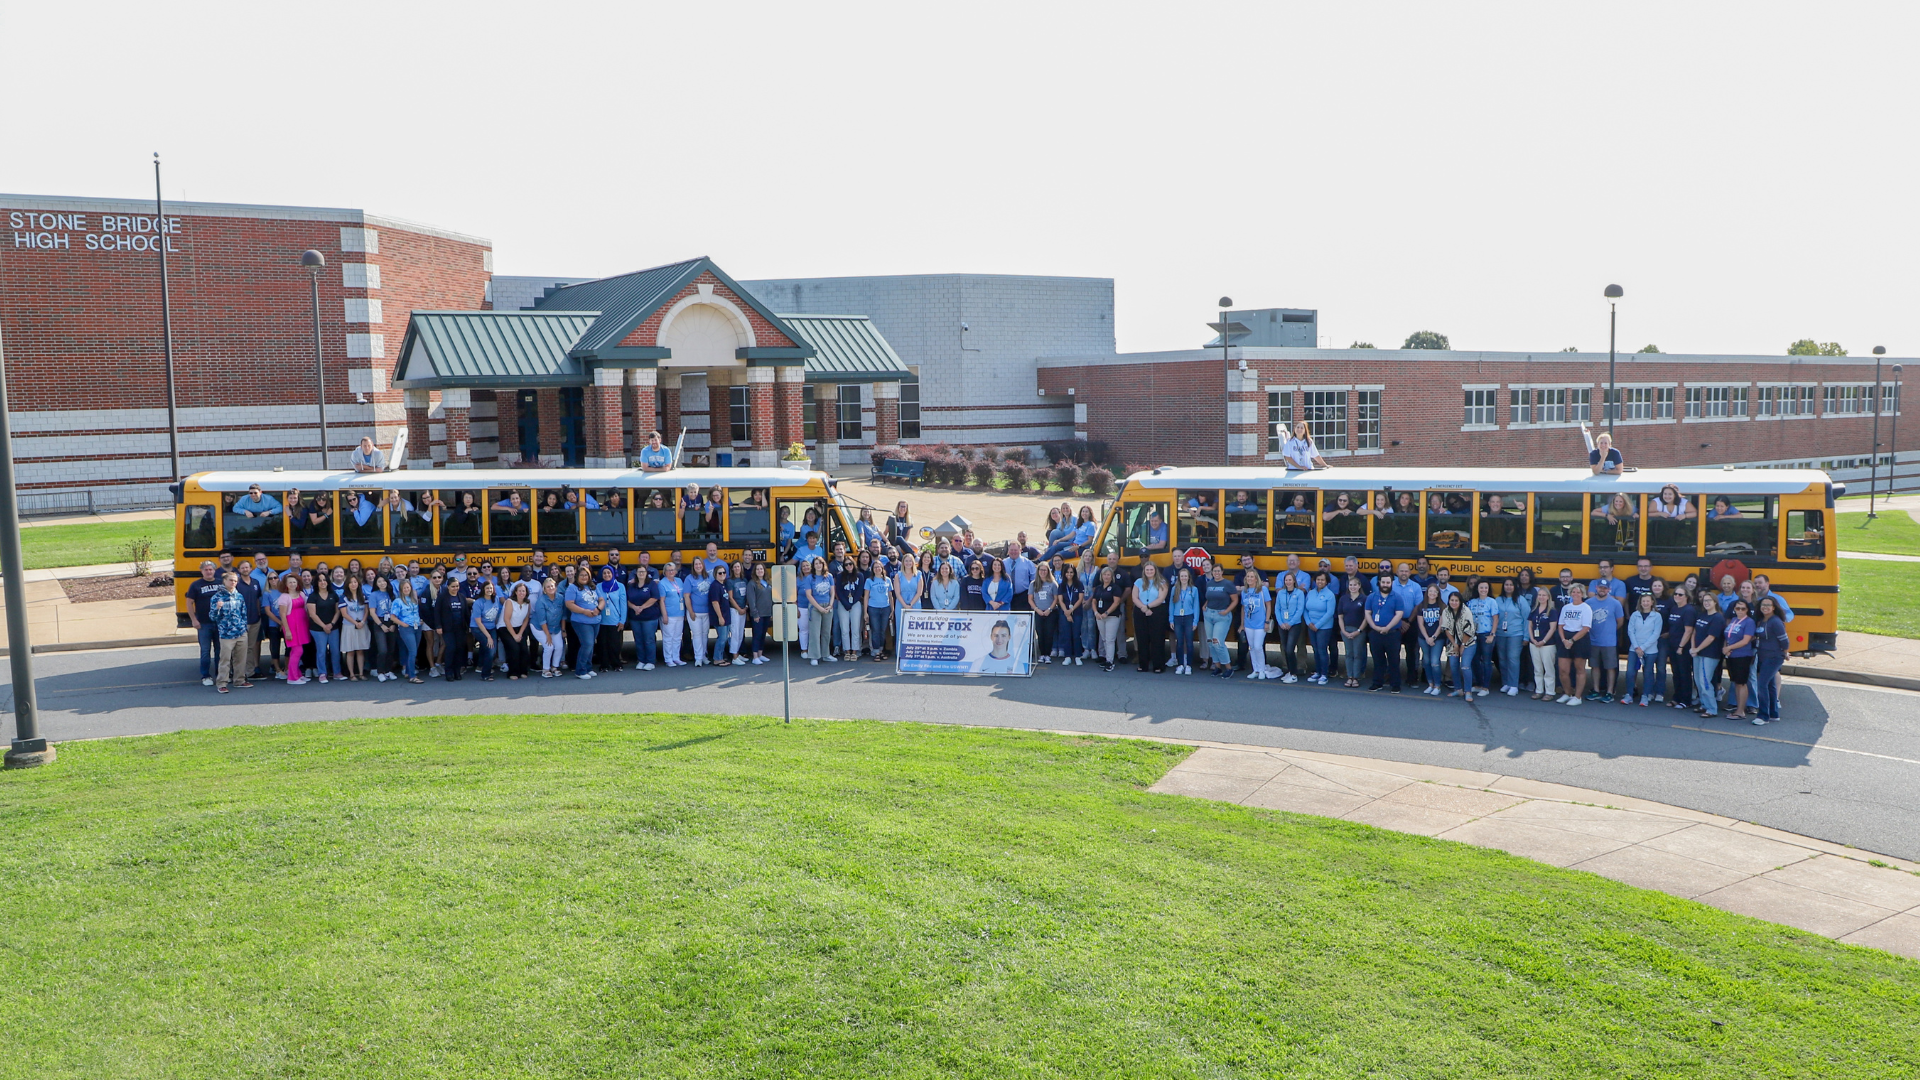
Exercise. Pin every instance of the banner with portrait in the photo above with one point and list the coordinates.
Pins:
(965, 643)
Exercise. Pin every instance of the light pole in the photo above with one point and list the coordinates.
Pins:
(166, 318)
(1614, 293)
(1893, 451)
(1226, 378)
(1873, 458)
(315, 262)
(28, 748)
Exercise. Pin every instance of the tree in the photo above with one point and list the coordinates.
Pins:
(1361, 345)
(1649, 348)
(1810, 347)
(1426, 339)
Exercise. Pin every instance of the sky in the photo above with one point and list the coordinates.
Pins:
(1745, 171)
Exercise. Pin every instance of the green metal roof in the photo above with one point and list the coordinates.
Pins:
(847, 348)
(446, 349)
(621, 303)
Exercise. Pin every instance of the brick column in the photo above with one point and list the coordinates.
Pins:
(790, 421)
(886, 414)
(826, 425)
(419, 404)
(1244, 418)
(454, 408)
(506, 415)
(669, 408)
(762, 417)
(602, 401)
(1079, 418)
(643, 384)
(548, 404)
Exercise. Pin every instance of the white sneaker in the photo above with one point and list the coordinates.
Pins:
(206, 682)
(1289, 678)
(578, 675)
(1561, 700)
(646, 667)
(815, 663)
(831, 659)
(1513, 691)
(1484, 691)
(298, 682)
(1573, 700)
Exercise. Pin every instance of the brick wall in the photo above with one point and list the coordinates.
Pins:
(80, 306)
(1170, 408)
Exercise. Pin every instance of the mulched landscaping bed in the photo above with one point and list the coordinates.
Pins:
(86, 590)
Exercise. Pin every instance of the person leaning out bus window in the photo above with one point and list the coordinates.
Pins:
(1299, 451)
(1671, 504)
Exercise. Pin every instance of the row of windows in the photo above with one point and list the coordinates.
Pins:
(499, 515)
(1689, 526)
(846, 404)
(1325, 412)
(1574, 404)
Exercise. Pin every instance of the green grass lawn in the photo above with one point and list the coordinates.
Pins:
(1891, 532)
(698, 897)
(93, 542)
(1877, 597)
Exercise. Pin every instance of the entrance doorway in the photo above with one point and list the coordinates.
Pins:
(529, 412)
(573, 416)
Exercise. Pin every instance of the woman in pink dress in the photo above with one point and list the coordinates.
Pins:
(292, 607)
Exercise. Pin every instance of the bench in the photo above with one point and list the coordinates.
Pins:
(900, 469)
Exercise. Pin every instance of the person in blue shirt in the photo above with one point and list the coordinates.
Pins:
(784, 533)
(997, 593)
(1019, 570)
(1770, 654)
(256, 504)
(673, 614)
(655, 456)
(1156, 534)
(1739, 638)
(699, 589)
(643, 615)
(485, 627)
(1510, 635)
(1616, 588)
(583, 612)
(1183, 610)
(1385, 617)
(816, 596)
(879, 593)
(1317, 611)
(1289, 617)
(1608, 615)
(809, 549)
(1409, 596)
(1078, 537)
(1486, 616)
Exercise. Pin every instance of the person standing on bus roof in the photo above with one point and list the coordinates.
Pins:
(1299, 451)
(655, 457)
(1601, 455)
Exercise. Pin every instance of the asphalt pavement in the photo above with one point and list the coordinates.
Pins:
(1844, 766)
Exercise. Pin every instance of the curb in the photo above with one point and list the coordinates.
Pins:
(1866, 678)
(88, 646)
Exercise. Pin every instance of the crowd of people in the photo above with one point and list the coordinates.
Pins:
(1633, 640)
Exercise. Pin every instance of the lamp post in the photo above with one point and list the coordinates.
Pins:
(28, 748)
(166, 318)
(1873, 458)
(1893, 451)
(315, 262)
(1614, 293)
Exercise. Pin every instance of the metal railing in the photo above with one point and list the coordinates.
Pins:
(62, 501)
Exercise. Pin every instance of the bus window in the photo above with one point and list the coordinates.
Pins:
(1556, 522)
(198, 532)
(411, 523)
(251, 520)
(606, 516)
(749, 516)
(310, 519)
(559, 524)
(700, 514)
(1396, 520)
(654, 518)
(1741, 526)
(1806, 534)
(1343, 524)
(1145, 528)
(360, 518)
(509, 515)
(1449, 520)
(1198, 514)
(1293, 511)
(1246, 518)
(1616, 524)
(1503, 522)
(459, 516)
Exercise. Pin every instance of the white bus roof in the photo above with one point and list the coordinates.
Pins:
(1339, 478)
(426, 479)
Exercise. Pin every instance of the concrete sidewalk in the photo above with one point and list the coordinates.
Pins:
(1828, 889)
(57, 624)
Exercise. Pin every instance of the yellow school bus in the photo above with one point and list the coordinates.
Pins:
(1493, 522)
(502, 515)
